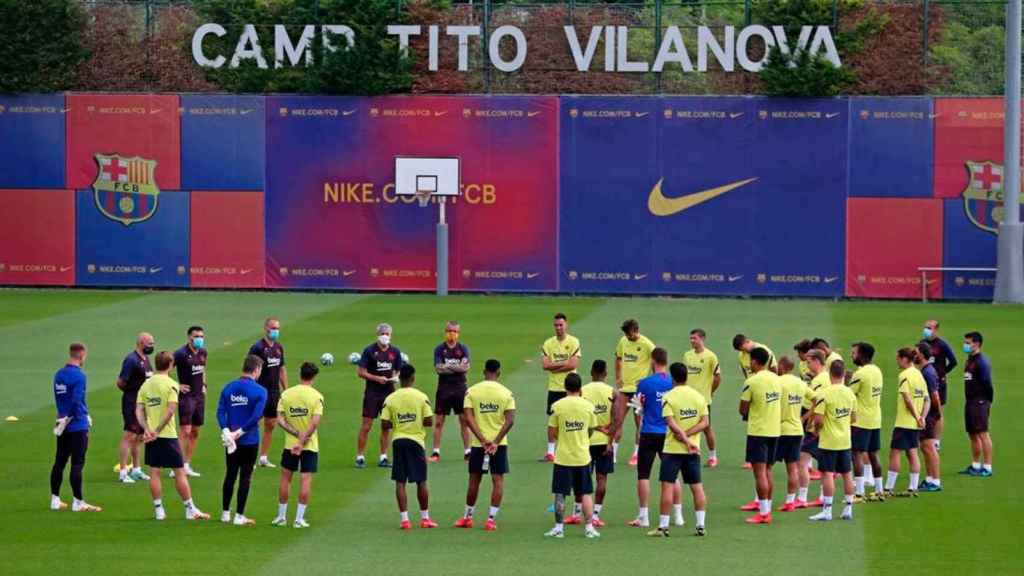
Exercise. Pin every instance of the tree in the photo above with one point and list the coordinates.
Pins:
(972, 60)
(42, 44)
(799, 74)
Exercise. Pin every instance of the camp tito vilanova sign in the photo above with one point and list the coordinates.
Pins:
(507, 46)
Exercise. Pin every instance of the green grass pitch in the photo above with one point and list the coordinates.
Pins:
(973, 527)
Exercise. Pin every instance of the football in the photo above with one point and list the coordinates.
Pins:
(353, 358)
(327, 359)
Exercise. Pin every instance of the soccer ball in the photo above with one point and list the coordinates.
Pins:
(405, 358)
(327, 359)
(354, 357)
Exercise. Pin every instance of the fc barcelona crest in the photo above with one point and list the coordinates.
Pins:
(983, 197)
(125, 188)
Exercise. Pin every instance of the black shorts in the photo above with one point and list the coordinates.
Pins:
(788, 449)
(976, 416)
(273, 398)
(307, 462)
(73, 446)
(192, 410)
(761, 449)
(942, 391)
(554, 396)
(449, 399)
(866, 440)
(650, 446)
(930, 422)
(837, 461)
(374, 397)
(810, 444)
(672, 465)
(408, 461)
(904, 439)
(164, 453)
(568, 480)
(602, 460)
(131, 424)
(497, 464)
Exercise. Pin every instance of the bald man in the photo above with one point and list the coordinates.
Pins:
(135, 370)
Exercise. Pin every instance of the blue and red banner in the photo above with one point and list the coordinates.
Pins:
(891, 147)
(153, 251)
(37, 241)
(223, 144)
(227, 240)
(334, 221)
(703, 195)
(32, 141)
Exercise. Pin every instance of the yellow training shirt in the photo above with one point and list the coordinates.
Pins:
(763, 392)
(489, 401)
(297, 406)
(573, 417)
(406, 408)
(560, 351)
(154, 395)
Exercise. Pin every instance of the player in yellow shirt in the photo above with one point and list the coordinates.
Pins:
(911, 406)
(299, 413)
(490, 411)
(632, 364)
(572, 421)
(407, 413)
(791, 433)
(760, 406)
(743, 346)
(834, 412)
(156, 408)
(830, 354)
(866, 384)
(704, 376)
(560, 355)
(802, 348)
(809, 449)
(602, 396)
(686, 415)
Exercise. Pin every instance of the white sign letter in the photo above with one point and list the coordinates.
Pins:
(337, 29)
(583, 59)
(741, 47)
(495, 48)
(283, 45)
(463, 32)
(624, 65)
(824, 36)
(672, 49)
(197, 45)
(724, 54)
(403, 31)
(248, 48)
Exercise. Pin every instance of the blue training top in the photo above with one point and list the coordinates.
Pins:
(653, 388)
(241, 406)
(69, 396)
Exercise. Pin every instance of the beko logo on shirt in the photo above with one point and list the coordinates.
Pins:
(795, 399)
(601, 409)
(770, 397)
(239, 400)
(273, 362)
(574, 426)
(298, 411)
(384, 366)
(407, 417)
(841, 412)
(688, 412)
(152, 401)
(60, 388)
(876, 391)
(198, 369)
(488, 407)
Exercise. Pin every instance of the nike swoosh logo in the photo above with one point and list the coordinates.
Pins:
(641, 114)
(156, 111)
(659, 205)
(532, 114)
(347, 112)
(155, 270)
(440, 113)
(246, 111)
(735, 278)
(246, 271)
(639, 276)
(934, 115)
(347, 273)
(735, 114)
(831, 279)
(832, 115)
(531, 276)
(65, 110)
(65, 268)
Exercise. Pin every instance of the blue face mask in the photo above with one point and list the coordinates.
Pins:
(927, 332)
(197, 342)
(273, 334)
(967, 348)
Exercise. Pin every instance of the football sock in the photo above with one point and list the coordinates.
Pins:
(677, 509)
(189, 504)
(976, 465)
(404, 516)
(890, 479)
(469, 511)
(663, 521)
(282, 510)
(858, 483)
(642, 515)
(577, 509)
(765, 506)
(713, 454)
(988, 467)
(801, 494)
(425, 514)
(597, 509)
(493, 512)
(790, 498)
(158, 503)
(915, 478)
(300, 514)
(551, 447)
(700, 517)
(826, 503)
(867, 471)
(878, 484)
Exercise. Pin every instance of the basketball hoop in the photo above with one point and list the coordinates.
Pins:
(423, 197)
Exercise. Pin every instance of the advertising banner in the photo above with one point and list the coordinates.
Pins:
(226, 247)
(222, 142)
(37, 245)
(32, 141)
(891, 147)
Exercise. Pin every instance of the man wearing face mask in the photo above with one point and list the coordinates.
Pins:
(274, 378)
(378, 366)
(451, 362)
(190, 362)
(942, 357)
(135, 369)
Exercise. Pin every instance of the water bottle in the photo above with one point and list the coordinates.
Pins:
(487, 463)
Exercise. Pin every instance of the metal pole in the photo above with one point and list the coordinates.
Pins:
(657, 43)
(442, 250)
(746, 12)
(484, 43)
(924, 39)
(1010, 275)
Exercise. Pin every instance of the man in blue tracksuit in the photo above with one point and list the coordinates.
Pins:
(72, 430)
(238, 413)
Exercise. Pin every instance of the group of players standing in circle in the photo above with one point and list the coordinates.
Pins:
(824, 412)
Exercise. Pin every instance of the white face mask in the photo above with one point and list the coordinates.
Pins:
(384, 339)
